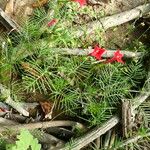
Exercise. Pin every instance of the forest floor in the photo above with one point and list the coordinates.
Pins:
(97, 98)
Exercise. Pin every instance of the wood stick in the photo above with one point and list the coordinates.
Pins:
(98, 131)
(16, 106)
(113, 20)
(92, 135)
(140, 99)
(45, 137)
(40, 135)
(4, 122)
(43, 125)
(112, 140)
(98, 142)
(107, 139)
(109, 53)
(126, 118)
(7, 22)
(6, 93)
(79, 52)
(133, 139)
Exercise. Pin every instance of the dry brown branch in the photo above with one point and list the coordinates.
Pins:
(7, 22)
(43, 125)
(126, 118)
(92, 135)
(114, 20)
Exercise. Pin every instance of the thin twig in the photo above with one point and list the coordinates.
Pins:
(140, 99)
(16, 106)
(112, 140)
(43, 125)
(107, 139)
(134, 139)
(6, 93)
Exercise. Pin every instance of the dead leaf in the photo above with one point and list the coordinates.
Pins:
(28, 68)
(47, 108)
(39, 3)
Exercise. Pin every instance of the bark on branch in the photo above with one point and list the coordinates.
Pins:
(98, 131)
(113, 20)
(110, 53)
(42, 125)
(7, 22)
(6, 93)
(92, 135)
(134, 139)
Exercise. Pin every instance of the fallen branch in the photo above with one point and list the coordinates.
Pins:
(4, 122)
(110, 53)
(92, 135)
(46, 138)
(6, 93)
(42, 125)
(16, 106)
(76, 51)
(113, 20)
(134, 139)
(126, 118)
(7, 22)
(40, 135)
(98, 131)
(107, 139)
(139, 100)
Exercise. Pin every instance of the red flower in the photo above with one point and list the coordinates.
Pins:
(98, 52)
(81, 2)
(52, 22)
(117, 57)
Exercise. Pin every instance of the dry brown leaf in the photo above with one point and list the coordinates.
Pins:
(28, 68)
(47, 108)
(39, 3)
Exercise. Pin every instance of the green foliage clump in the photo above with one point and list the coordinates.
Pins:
(80, 86)
(25, 141)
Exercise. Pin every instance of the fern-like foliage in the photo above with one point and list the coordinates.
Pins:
(37, 77)
(99, 112)
(112, 86)
(75, 82)
(134, 73)
(26, 141)
(145, 108)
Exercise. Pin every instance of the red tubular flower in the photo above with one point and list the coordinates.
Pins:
(98, 52)
(117, 57)
(81, 2)
(52, 22)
